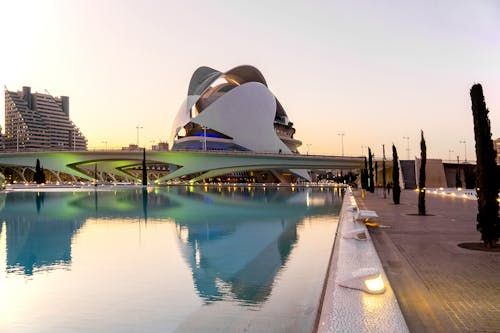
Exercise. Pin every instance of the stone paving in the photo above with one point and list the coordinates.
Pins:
(440, 287)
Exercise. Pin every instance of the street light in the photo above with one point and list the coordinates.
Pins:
(341, 134)
(407, 138)
(105, 144)
(363, 150)
(138, 128)
(465, 149)
(204, 138)
(449, 154)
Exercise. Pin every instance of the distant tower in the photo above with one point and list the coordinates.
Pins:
(36, 121)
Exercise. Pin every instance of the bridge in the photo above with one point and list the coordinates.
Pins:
(199, 165)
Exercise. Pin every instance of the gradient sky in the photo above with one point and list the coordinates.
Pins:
(375, 70)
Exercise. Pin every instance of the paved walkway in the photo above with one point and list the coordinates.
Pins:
(439, 286)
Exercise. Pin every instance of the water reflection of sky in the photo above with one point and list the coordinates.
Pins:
(233, 242)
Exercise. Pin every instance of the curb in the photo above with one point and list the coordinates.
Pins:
(351, 310)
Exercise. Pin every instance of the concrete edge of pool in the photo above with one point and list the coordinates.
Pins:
(351, 310)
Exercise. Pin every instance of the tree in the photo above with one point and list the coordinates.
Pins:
(421, 178)
(371, 188)
(396, 188)
(364, 176)
(488, 223)
(38, 177)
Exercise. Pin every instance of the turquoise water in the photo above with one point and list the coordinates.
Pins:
(170, 259)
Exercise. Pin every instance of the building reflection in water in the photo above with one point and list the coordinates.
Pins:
(235, 240)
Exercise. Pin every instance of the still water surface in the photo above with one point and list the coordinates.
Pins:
(174, 259)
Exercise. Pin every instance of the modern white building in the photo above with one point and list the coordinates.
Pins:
(233, 111)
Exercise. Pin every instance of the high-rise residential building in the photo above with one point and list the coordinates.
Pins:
(35, 121)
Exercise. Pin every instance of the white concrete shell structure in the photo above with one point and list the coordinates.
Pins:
(233, 111)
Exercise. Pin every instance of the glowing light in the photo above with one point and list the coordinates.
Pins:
(375, 285)
(183, 234)
(197, 255)
(368, 280)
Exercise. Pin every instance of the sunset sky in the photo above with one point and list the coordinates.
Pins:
(377, 71)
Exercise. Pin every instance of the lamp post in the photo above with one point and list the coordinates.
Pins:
(363, 150)
(204, 138)
(105, 144)
(138, 128)
(341, 134)
(449, 154)
(465, 150)
(383, 169)
(407, 138)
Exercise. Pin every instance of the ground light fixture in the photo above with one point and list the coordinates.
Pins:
(366, 279)
(359, 235)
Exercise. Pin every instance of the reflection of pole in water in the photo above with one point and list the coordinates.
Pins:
(145, 203)
(144, 171)
(95, 201)
(95, 174)
(39, 201)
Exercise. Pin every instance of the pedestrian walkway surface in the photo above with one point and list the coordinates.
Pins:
(440, 286)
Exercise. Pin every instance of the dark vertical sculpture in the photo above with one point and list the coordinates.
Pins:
(421, 178)
(144, 171)
(364, 176)
(95, 174)
(396, 188)
(371, 188)
(488, 223)
(37, 178)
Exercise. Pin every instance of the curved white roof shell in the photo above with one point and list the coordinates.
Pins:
(245, 112)
(242, 102)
